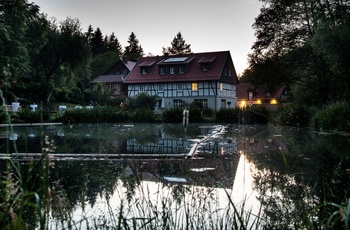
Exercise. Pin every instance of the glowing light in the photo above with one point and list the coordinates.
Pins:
(242, 104)
(273, 101)
(258, 101)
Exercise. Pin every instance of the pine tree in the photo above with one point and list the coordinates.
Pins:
(178, 46)
(113, 44)
(89, 35)
(133, 51)
(97, 43)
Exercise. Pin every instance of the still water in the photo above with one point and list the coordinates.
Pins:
(98, 171)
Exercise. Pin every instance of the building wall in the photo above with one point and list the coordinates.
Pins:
(213, 94)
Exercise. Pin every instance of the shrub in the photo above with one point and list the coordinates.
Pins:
(335, 116)
(227, 115)
(195, 113)
(259, 114)
(28, 116)
(143, 115)
(141, 101)
(99, 114)
(291, 115)
(173, 115)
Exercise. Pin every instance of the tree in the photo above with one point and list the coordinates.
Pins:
(178, 46)
(102, 62)
(89, 35)
(63, 62)
(133, 51)
(113, 44)
(14, 56)
(302, 43)
(97, 43)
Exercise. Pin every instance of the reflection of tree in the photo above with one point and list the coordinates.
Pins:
(292, 186)
(86, 180)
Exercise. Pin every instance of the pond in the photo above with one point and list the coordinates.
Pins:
(206, 176)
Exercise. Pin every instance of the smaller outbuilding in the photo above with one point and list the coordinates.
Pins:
(112, 79)
(249, 95)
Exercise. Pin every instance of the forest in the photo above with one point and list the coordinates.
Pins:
(44, 61)
(304, 44)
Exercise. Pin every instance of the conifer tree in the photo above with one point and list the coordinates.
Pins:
(178, 46)
(113, 44)
(133, 51)
(97, 43)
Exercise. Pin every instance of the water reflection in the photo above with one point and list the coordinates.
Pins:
(288, 171)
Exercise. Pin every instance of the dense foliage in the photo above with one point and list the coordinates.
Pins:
(46, 61)
(305, 44)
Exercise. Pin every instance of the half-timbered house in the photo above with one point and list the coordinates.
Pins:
(112, 79)
(178, 80)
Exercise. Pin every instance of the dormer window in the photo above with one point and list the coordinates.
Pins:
(172, 71)
(162, 70)
(206, 62)
(205, 66)
(181, 69)
(144, 70)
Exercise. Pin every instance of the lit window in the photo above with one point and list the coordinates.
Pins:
(258, 102)
(221, 87)
(172, 70)
(273, 102)
(194, 86)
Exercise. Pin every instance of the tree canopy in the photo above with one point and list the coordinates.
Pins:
(304, 44)
(178, 46)
(133, 51)
(55, 57)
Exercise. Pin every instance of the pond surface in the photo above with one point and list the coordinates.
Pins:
(98, 171)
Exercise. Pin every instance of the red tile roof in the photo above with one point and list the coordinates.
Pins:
(193, 72)
(259, 92)
(107, 79)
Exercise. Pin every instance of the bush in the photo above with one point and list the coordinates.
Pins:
(259, 114)
(25, 115)
(173, 115)
(335, 116)
(195, 113)
(99, 114)
(227, 115)
(291, 115)
(142, 101)
(143, 115)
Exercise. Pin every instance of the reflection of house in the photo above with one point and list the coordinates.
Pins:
(217, 172)
(208, 78)
(248, 94)
(112, 79)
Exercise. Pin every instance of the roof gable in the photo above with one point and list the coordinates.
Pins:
(120, 64)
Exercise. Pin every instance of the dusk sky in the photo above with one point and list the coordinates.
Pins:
(206, 25)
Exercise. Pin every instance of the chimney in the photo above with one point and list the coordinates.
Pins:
(166, 55)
